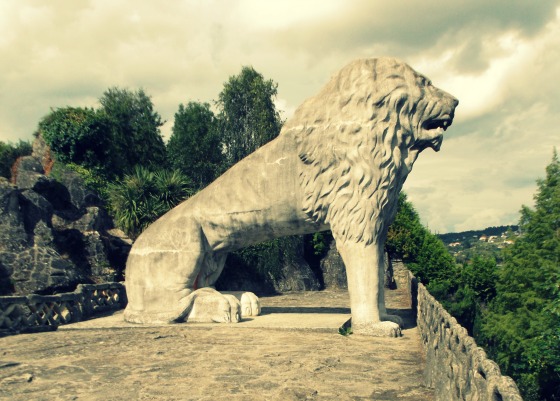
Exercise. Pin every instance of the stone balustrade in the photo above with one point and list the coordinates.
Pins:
(43, 312)
(456, 367)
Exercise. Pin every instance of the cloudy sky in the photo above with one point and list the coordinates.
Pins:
(501, 59)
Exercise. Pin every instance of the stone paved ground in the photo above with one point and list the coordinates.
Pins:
(104, 359)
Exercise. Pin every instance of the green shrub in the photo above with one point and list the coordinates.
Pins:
(138, 199)
(9, 153)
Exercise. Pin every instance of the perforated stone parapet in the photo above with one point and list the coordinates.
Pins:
(36, 312)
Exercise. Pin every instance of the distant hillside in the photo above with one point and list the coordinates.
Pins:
(461, 236)
(489, 242)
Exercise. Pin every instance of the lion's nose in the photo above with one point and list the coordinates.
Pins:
(455, 102)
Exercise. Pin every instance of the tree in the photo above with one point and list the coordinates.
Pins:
(521, 329)
(194, 147)
(425, 253)
(138, 199)
(480, 276)
(433, 262)
(406, 233)
(459, 291)
(135, 128)
(81, 136)
(9, 153)
(247, 117)
(110, 141)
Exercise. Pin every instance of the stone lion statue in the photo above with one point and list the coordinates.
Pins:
(339, 163)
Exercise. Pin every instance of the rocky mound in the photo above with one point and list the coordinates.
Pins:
(54, 232)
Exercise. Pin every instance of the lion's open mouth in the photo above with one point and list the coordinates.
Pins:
(432, 132)
(437, 124)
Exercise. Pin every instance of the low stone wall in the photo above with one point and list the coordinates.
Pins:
(456, 367)
(43, 312)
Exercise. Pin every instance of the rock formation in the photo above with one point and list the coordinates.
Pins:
(54, 232)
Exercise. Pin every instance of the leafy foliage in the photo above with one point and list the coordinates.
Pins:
(78, 135)
(406, 233)
(195, 147)
(110, 141)
(135, 129)
(138, 199)
(480, 276)
(424, 252)
(521, 328)
(95, 178)
(9, 153)
(247, 117)
(460, 290)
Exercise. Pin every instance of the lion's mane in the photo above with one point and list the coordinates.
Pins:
(354, 139)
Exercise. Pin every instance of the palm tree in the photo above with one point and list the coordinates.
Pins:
(138, 199)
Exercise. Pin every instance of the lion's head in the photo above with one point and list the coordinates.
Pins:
(358, 139)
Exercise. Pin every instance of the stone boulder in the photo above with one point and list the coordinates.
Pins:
(334, 272)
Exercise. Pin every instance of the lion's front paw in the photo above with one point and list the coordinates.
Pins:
(392, 318)
(211, 306)
(250, 304)
(379, 329)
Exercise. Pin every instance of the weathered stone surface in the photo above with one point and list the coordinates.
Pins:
(54, 236)
(297, 276)
(37, 269)
(456, 367)
(338, 164)
(93, 360)
(334, 272)
(42, 153)
(29, 170)
(79, 195)
(27, 253)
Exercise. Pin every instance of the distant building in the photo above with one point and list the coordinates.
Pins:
(454, 244)
(483, 238)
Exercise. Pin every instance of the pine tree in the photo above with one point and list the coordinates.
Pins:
(522, 326)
